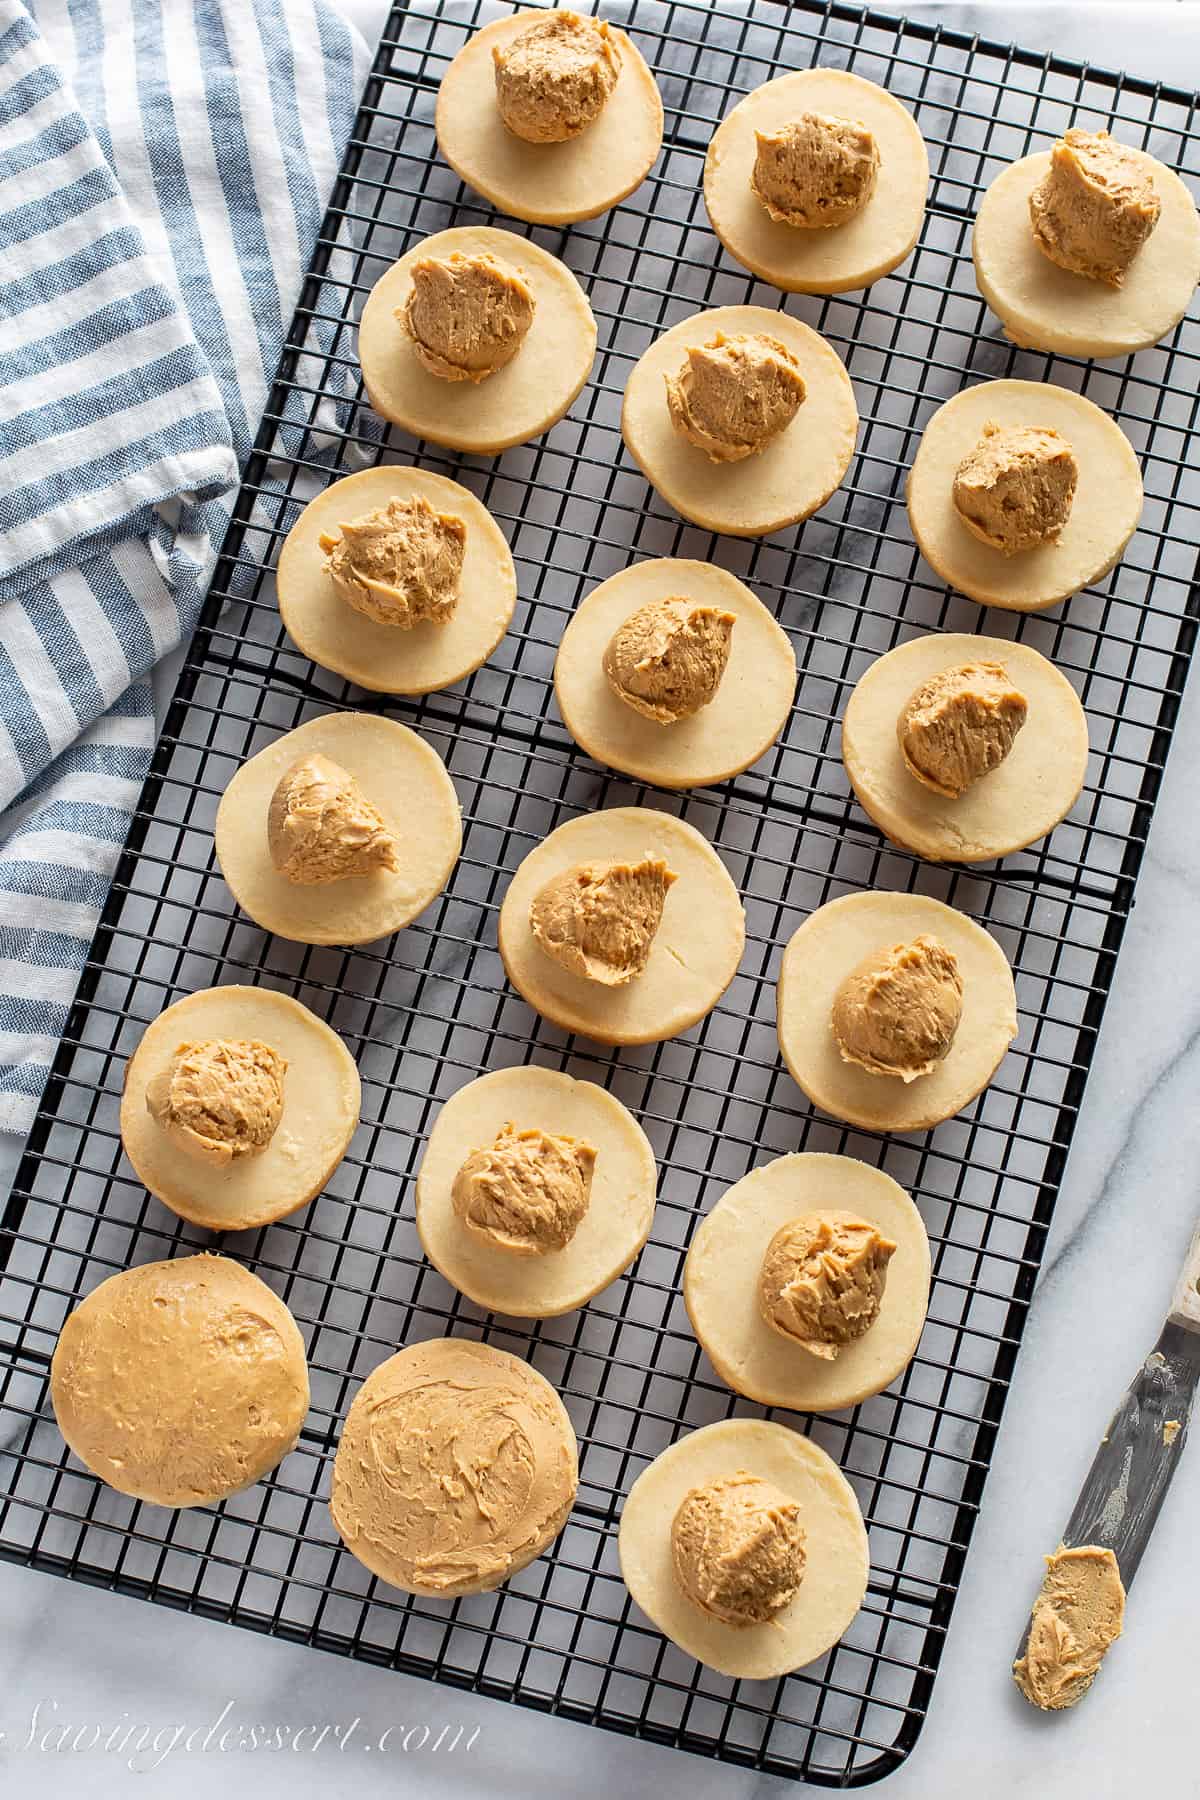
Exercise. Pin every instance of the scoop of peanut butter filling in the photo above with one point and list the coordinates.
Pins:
(822, 1279)
(527, 1192)
(1077, 1615)
(220, 1099)
(321, 826)
(738, 1548)
(554, 78)
(466, 315)
(399, 565)
(733, 396)
(816, 171)
(1014, 489)
(598, 919)
(1094, 208)
(960, 725)
(667, 659)
(898, 1011)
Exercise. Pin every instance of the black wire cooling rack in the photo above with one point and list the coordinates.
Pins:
(431, 1009)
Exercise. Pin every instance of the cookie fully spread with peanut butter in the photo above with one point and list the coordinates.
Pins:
(457, 1466)
(180, 1382)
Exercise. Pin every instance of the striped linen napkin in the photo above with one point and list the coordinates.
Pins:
(164, 166)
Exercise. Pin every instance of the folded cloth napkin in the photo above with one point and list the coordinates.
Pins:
(164, 167)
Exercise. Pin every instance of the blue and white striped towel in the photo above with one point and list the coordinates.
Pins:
(164, 165)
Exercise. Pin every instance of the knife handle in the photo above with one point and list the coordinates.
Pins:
(1185, 1304)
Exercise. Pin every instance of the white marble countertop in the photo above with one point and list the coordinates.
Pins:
(88, 1659)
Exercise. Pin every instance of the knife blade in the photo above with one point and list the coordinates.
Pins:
(1125, 1487)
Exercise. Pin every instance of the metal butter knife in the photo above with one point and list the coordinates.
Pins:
(1138, 1454)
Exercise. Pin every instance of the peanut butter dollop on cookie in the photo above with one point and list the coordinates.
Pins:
(599, 919)
(816, 171)
(1094, 208)
(734, 395)
(822, 1279)
(220, 1099)
(960, 725)
(321, 826)
(898, 1011)
(1077, 1615)
(527, 1192)
(400, 564)
(553, 78)
(466, 315)
(667, 659)
(1014, 490)
(738, 1548)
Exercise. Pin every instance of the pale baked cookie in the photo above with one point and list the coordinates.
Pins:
(928, 707)
(529, 1227)
(816, 182)
(894, 1010)
(745, 1545)
(1102, 515)
(457, 1466)
(393, 608)
(652, 708)
(732, 1273)
(759, 486)
(474, 406)
(1083, 259)
(180, 1382)
(238, 1106)
(666, 913)
(539, 175)
(340, 832)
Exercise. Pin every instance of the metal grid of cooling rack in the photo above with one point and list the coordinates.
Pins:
(431, 1010)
